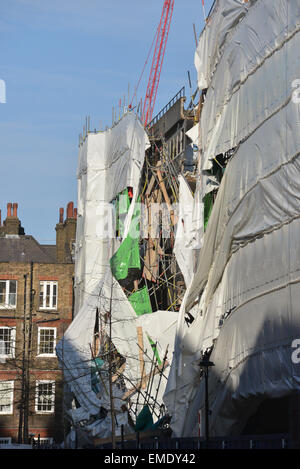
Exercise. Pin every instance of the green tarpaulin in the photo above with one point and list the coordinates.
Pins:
(126, 257)
(128, 254)
(144, 420)
(140, 301)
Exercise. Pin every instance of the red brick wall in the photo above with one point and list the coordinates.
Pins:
(47, 425)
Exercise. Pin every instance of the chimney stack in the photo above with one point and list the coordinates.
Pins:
(9, 210)
(11, 225)
(15, 210)
(70, 210)
(61, 215)
(66, 234)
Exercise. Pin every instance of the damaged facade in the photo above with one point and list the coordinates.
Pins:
(128, 285)
(213, 271)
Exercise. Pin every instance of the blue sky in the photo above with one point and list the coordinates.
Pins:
(64, 60)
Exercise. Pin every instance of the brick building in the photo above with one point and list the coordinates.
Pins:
(36, 307)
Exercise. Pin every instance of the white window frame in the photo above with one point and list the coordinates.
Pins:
(11, 386)
(53, 354)
(44, 441)
(6, 305)
(12, 343)
(5, 440)
(52, 397)
(51, 283)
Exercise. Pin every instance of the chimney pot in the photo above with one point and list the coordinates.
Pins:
(75, 213)
(61, 215)
(0, 219)
(15, 210)
(9, 210)
(70, 210)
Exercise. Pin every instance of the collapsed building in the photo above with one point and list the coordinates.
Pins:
(117, 352)
(187, 245)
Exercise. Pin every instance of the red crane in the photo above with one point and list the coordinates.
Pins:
(157, 61)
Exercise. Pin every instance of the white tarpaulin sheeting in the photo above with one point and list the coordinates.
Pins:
(245, 293)
(182, 246)
(109, 162)
(225, 15)
(238, 100)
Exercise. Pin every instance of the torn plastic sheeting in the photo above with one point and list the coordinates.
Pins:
(73, 352)
(140, 301)
(161, 327)
(127, 255)
(209, 182)
(109, 162)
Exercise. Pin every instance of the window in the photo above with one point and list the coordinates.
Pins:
(8, 293)
(48, 295)
(5, 441)
(6, 397)
(44, 399)
(7, 342)
(46, 341)
(44, 441)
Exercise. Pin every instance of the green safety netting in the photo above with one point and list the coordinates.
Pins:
(140, 301)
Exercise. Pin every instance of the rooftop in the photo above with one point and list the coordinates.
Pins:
(24, 248)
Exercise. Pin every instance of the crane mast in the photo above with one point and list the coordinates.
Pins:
(157, 61)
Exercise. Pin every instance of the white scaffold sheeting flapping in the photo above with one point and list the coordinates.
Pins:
(244, 295)
(108, 163)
